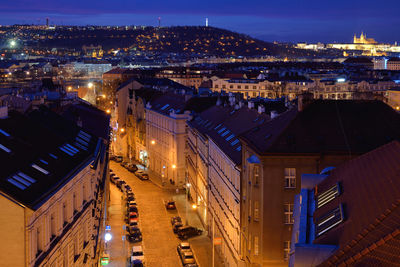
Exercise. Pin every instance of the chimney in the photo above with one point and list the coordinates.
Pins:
(304, 100)
(261, 109)
(274, 114)
(3, 112)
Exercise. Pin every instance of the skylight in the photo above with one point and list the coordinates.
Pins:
(43, 161)
(164, 107)
(21, 180)
(235, 142)
(328, 195)
(230, 137)
(225, 133)
(53, 156)
(4, 133)
(216, 127)
(330, 220)
(66, 151)
(239, 148)
(5, 148)
(222, 129)
(39, 169)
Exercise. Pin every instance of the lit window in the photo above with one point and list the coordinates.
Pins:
(290, 178)
(328, 195)
(39, 169)
(286, 250)
(256, 174)
(256, 245)
(256, 210)
(289, 214)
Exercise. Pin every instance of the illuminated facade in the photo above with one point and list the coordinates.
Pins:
(363, 39)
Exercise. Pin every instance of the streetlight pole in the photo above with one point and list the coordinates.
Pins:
(186, 203)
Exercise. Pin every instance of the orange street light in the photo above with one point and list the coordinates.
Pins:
(153, 142)
(194, 206)
(173, 166)
(108, 111)
(122, 130)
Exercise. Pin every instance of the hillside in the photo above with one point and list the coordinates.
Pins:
(183, 39)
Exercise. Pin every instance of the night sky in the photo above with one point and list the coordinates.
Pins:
(271, 20)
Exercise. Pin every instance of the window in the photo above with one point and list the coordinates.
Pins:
(53, 230)
(256, 210)
(39, 241)
(290, 178)
(330, 220)
(256, 174)
(83, 194)
(216, 86)
(75, 203)
(289, 214)
(255, 245)
(328, 195)
(286, 250)
(249, 243)
(65, 213)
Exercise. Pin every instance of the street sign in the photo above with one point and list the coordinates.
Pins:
(108, 227)
(124, 227)
(217, 240)
(123, 238)
(104, 260)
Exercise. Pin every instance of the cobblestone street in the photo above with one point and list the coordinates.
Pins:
(159, 242)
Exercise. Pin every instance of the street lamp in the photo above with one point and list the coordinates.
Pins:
(13, 43)
(153, 143)
(186, 203)
(90, 85)
(108, 237)
(194, 206)
(122, 130)
(173, 166)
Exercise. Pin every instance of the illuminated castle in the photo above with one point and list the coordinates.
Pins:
(363, 39)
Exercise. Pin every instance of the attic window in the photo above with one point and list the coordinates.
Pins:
(230, 137)
(4, 133)
(239, 148)
(5, 148)
(164, 107)
(53, 156)
(216, 127)
(39, 169)
(43, 161)
(221, 130)
(328, 195)
(330, 220)
(21, 180)
(235, 142)
(225, 133)
(67, 151)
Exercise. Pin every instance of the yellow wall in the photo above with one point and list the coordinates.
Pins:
(12, 245)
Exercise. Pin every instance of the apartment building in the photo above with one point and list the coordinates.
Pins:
(270, 88)
(342, 88)
(214, 148)
(317, 135)
(51, 190)
(331, 229)
(187, 77)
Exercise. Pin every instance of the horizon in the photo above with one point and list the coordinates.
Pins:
(287, 21)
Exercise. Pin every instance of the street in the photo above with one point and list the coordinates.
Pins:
(159, 241)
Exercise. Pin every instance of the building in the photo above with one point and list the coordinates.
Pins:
(363, 39)
(187, 77)
(393, 63)
(331, 228)
(51, 190)
(305, 140)
(214, 167)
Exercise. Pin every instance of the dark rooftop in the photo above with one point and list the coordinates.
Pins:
(333, 126)
(39, 152)
(370, 195)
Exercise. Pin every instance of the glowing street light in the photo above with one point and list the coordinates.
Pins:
(153, 142)
(122, 130)
(90, 85)
(107, 237)
(13, 43)
(194, 206)
(173, 166)
(108, 111)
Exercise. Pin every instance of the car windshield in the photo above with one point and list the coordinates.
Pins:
(137, 253)
(189, 256)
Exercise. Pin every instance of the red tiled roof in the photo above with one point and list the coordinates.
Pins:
(371, 198)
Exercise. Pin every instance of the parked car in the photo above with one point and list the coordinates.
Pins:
(142, 175)
(128, 189)
(133, 209)
(118, 158)
(176, 219)
(131, 167)
(188, 231)
(120, 183)
(170, 205)
(187, 258)
(183, 247)
(131, 216)
(134, 234)
(112, 157)
(131, 203)
(114, 179)
(137, 253)
(124, 164)
(130, 198)
(176, 226)
(133, 223)
(138, 263)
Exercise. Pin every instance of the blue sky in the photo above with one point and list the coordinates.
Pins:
(278, 20)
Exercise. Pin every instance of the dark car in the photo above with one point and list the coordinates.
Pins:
(170, 205)
(176, 226)
(134, 234)
(176, 219)
(124, 164)
(128, 189)
(137, 263)
(130, 198)
(142, 175)
(120, 183)
(131, 167)
(118, 159)
(133, 209)
(188, 231)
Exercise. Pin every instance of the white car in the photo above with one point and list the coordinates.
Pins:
(137, 253)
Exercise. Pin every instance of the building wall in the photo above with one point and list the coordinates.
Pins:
(224, 198)
(12, 232)
(60, 231)
(271, 232)
(167, 154)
